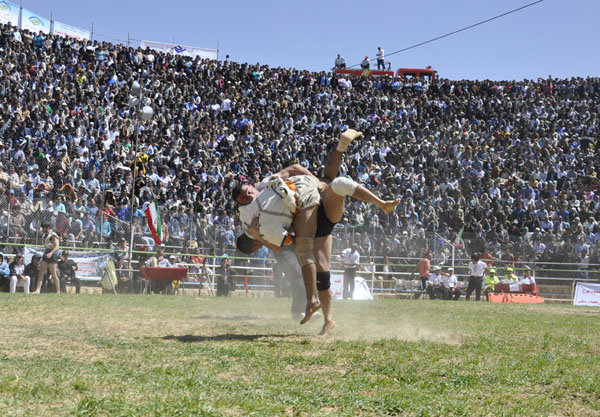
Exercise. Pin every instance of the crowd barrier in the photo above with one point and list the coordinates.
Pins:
(394, 279)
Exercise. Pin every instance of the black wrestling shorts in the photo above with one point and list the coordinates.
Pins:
(324, 225)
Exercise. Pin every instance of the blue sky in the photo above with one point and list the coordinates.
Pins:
(555, 37)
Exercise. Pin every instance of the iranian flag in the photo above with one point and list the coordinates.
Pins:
(152, 212)
(459, 237)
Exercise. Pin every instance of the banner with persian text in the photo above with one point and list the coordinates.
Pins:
(587, 294)
(63, 29)
(174, 49)
(90, 265)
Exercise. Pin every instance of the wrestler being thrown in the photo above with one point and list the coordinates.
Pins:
(289, 200)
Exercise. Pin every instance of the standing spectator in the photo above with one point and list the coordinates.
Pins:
(66, 271)
(476, 270)
(340, 62)
(423, 268)
(18, 277)
(351, 264)
(225, 279)
(380, 58)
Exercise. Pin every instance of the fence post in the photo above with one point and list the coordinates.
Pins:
(372, 276)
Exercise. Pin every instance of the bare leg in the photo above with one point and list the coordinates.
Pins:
(54, 276)
(323, 256)
(325, 297)
(335, 158)
(43, 267)
(332, 165)
(363, 194)
(305, 226)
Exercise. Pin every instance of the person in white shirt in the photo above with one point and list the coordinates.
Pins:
(351, 265)
(435, 283)
(380, 58)
(18, 277)
(340, 62)
(365, 64)
(476, 270)
(451, 291)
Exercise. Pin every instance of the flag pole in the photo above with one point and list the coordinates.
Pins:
(134, 175)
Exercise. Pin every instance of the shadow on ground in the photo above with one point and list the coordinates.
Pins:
(221, 337)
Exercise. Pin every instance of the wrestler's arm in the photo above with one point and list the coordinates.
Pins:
(274, 248)
(253, 230)
(294, 170)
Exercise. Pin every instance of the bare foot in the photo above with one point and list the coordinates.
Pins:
(389, 205)
(346, 138)
(310, 310)
(326, 328)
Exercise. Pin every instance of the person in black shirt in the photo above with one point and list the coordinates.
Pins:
(66, 272)
(32, 271)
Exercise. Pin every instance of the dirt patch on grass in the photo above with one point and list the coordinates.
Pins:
(405, 331)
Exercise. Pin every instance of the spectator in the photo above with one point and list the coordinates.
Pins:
(365, 63)
(31, 270)
(380, 59)
(424, 270)
(490, 282)
(351, 259)
(460, 152)
(451, 291)
(340, 62)
(225, 280)
(4, 274)
(435, 284)
(67, 273)
(17, 275)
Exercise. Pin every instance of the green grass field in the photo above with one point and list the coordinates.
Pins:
(126, 355)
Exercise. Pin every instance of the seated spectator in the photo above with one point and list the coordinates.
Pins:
(4, 274)
(365, 63)
(31, 270)
(67, 273)
(340, 62)
(17, 275)
(451, 291)
(435, 284)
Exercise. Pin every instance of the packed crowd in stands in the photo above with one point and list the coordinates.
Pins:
(515, 162)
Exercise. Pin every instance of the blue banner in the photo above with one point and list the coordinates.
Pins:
(34, 23)
(9, 13)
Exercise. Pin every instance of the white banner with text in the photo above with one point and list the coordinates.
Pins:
(89, 264)
(62, 29)
(175, 49)
(587, 294)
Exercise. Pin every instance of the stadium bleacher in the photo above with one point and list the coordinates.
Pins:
(515, 162)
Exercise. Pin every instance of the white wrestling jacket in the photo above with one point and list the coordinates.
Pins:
(276, 205)
(274, 220)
